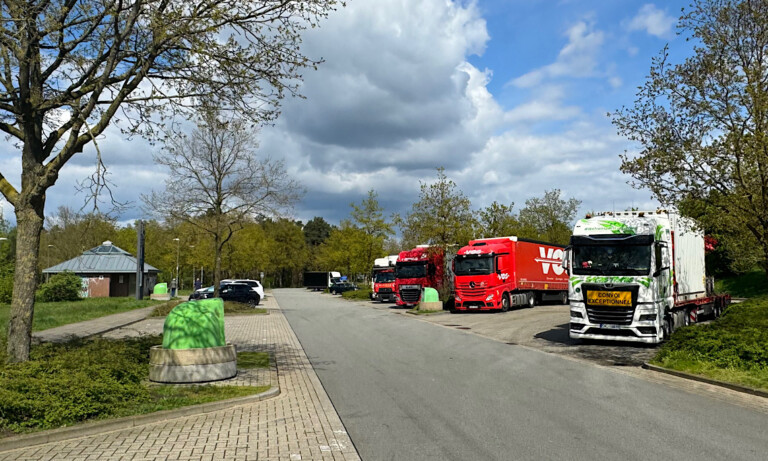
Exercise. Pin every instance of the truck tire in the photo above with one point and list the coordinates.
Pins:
(505, 302)
(564, 297)
(667, 327)
(531, 300)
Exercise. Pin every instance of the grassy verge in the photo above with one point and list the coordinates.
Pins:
(733, 348)
(64, 384)
(363, 293)
(50, 315)
(748, 285)
(416, 311)
(230, 307)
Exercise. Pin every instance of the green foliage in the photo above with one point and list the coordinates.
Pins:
(549, 218)
(64, 286)
(64, 384)
(442, 217)
(733, 347)
(497, 220)
(6, 283)
(316, 231)
(748, 285)
(363, 293)
(702, 125)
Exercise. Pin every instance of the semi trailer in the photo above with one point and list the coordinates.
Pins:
(637, 276)
(501, 272)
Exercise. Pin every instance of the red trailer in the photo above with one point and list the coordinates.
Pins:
(497, 273)
(416, 269)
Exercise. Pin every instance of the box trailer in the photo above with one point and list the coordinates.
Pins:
(320, 280)
(637, 276)
(501, 272)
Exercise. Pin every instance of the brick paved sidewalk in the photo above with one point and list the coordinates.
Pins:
(299, 424)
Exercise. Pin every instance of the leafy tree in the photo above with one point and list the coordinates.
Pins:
(497, 220)
(70, 67)
(549, 218)
(216, 183)
(442, 217)
(702, 124)
(368, 217)
(70, 233)
(316, 231)
(345, 250)
(285, 251)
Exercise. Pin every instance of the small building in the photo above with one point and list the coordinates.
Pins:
(107, 271)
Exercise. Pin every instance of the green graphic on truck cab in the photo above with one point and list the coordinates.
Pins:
(617, 227)
(645, 281)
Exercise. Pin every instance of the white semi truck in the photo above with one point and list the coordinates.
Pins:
(637, 276)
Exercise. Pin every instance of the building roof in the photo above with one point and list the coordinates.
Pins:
(103, 259)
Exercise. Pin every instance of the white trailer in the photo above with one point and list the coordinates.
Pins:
(636, 276)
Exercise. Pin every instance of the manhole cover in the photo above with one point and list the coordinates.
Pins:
(451, 325)
(512, 344)
(463, 328)
(621, 364)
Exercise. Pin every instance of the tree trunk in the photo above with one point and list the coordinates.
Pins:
(29, 222)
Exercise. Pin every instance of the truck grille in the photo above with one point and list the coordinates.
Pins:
(410, 295)
(613, 315)
(463, 289)
(385, 290)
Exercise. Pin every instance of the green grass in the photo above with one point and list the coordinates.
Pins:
(416, 311)
(65, 384)
(733, 348)
(748, 285)
(230, 307)
(249, 360)
(50, 315)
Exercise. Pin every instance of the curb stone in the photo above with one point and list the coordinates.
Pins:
(99, 427)
(682, 374)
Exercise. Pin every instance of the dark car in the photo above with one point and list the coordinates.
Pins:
(340, 287)
(239, 292)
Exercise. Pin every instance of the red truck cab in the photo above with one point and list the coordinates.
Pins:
(384, 285)
(415, 269)
(497, 273)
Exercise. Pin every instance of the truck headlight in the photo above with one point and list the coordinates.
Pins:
(457, 299)
(490, 297)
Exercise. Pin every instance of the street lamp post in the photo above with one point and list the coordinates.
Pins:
(177, 261)
(48, 260)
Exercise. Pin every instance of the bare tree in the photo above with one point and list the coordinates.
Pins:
(70, 68)
(217, 184)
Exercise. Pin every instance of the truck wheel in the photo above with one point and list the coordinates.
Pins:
(564, 297)
(531, 300)
(667, 327)
(504, 302)
(687, 317)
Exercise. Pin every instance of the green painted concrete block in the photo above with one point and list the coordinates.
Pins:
(195, 324)
(160, 289)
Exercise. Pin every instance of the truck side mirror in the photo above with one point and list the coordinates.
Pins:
(566, 262)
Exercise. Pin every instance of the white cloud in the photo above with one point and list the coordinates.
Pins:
(653, 20)
(577, 59)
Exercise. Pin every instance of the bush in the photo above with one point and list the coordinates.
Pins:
(67, 383)
(363, 293)
(61, 287)
(736, 342)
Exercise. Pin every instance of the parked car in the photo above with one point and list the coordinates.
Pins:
(341, 287)
(239, 292)
(254, 284)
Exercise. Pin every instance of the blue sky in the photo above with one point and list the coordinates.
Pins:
(510, 96)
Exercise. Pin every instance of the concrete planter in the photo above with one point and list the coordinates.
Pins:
(192, 365)
(431, 306)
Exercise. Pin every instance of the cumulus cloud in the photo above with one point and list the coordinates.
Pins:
(653, 21)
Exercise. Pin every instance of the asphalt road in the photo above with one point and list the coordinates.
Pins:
(411, 390)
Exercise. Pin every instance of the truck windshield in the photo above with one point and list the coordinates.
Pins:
(411, 270)
(473, 265)
(612, 259)
(384, 277)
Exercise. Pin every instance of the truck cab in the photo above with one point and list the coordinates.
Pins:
(414, 270)
(384, 286)
(636, 276)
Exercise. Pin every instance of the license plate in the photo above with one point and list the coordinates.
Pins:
(410, 287)
(609, 298)
(607, 326)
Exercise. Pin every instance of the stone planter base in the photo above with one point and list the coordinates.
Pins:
(192, 365)
(161, 297)
(431, 306)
